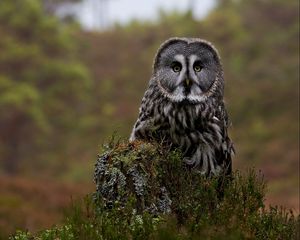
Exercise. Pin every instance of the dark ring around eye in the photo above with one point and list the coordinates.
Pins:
(176, 66)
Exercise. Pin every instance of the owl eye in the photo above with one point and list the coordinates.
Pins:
(197, 68)
(176, 67)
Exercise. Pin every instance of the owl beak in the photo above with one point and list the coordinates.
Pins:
(187, 82)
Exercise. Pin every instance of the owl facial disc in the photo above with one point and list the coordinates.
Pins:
(187, 70)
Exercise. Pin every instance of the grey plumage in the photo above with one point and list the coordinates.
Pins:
(184, 106)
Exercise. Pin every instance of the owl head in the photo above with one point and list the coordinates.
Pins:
(188, 70)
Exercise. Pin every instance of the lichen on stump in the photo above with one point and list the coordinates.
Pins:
(153, 177)
(132, 171)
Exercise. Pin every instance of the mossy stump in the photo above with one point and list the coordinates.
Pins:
(133, 172)
(152, 179)
(134, 179)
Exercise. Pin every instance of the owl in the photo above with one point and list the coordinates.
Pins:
(183, 105)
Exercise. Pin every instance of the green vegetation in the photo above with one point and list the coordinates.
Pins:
(63, 91)
(42, 85)
(197, 210)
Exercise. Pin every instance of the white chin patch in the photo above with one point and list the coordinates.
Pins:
(178, 95)
(196, 99)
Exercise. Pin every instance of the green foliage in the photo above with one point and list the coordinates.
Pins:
(198, 212)
(40, 80)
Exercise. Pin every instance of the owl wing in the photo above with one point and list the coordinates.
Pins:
(145, 124)
(142, 127)
(152, 123)
(225, 153)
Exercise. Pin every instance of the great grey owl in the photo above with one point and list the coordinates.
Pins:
(184, 105)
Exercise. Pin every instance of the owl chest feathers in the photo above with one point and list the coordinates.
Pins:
(197, 129)
(188, 125)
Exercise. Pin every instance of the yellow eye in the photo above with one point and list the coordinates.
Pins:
(197, 68)
(176, 68)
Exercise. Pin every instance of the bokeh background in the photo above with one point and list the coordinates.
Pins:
(72, 73)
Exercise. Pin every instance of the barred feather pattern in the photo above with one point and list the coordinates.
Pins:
(198, 129)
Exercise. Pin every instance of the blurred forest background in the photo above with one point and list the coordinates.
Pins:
(65, 90)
